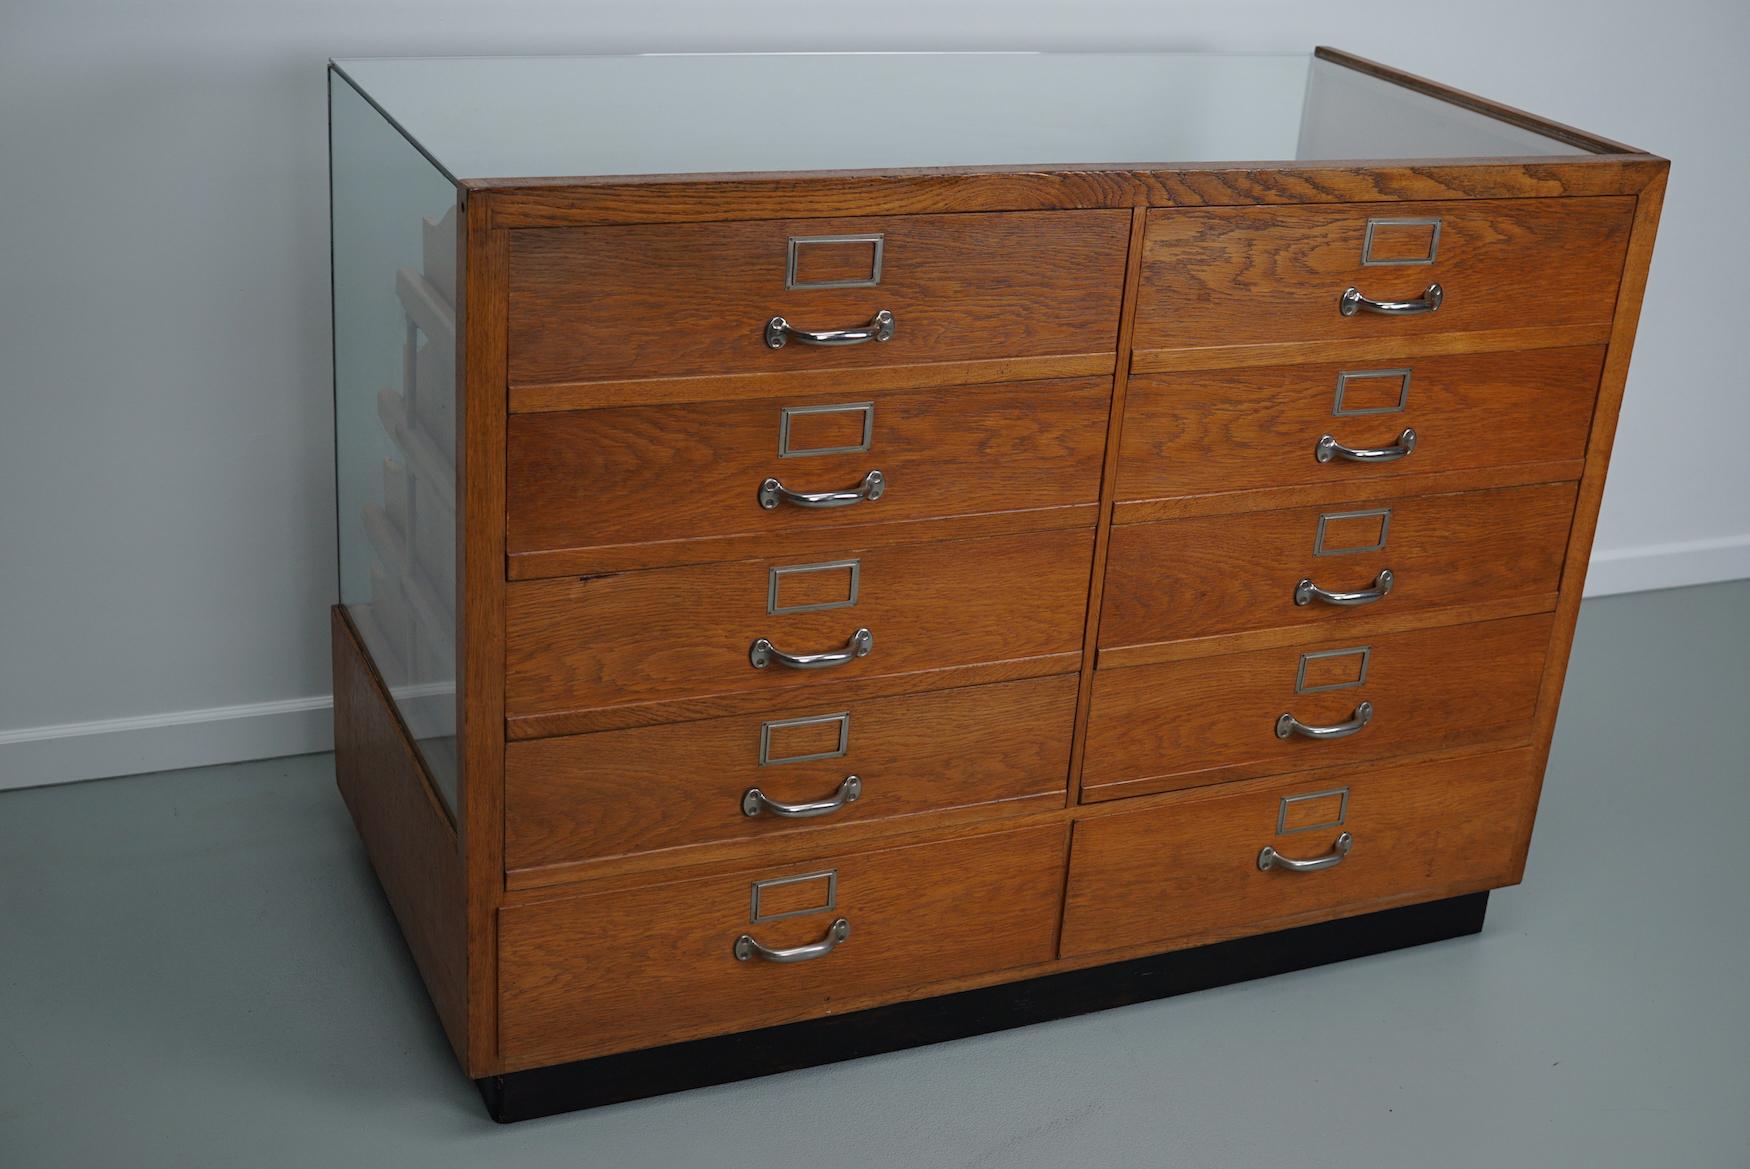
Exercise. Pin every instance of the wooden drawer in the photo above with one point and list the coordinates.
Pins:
(1186, 873)
(1214, 432)
(1230, 276)
(663, 484)
(591, 304)
(645, 647)
(656, 964)
(662, 787)
(1179, 580)
(1206, 720)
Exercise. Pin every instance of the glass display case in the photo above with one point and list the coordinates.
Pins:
(825, 535)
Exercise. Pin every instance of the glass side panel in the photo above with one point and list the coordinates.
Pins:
(508, 117)
(1353, 115)
(394, 237)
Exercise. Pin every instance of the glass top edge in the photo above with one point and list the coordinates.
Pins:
(1277, 55)
(1013, 110)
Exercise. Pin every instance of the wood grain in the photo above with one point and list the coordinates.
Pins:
(802, 544)
(1208, 720)
(558, 202)
(585, 976)
(684, 633)
(1221, 431)
(406, 832)
(668, 787)
(730, 387)
(1275, 274)
(480, 355)
(672, 481)
(1108, 474)
(673, 301)
(1377, 349)
(1187, 874)
(1198, 577)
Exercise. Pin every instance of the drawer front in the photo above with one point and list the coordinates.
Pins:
(1188, 873)
(1267, 275)
(1217, 431)
(638, 967)
(637, 475)
(637, 638)
(1207, 720)
(1175, 580)
(685, 299)
(646, 788)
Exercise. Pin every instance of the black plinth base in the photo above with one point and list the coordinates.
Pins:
(634, 1075)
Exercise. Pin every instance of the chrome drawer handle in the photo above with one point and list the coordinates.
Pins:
(780, 332)
(772, 493)
(1329, 448)
(1306, 592)
(1289, 725)
(1269, 858)
(763, 653)
(1353, 302)
(747, 948)
(754, 802)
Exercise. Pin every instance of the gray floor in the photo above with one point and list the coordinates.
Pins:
(198, 970)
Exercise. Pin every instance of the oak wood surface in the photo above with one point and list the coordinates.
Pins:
(480, 550)
(1242, 275)
(1218, 431)
(406, 832)
(1188, 873)
(1208, 720)
(1108, 475)
(672, 301)
(729, 387)
(679, 483)
(684, 634)
(679, 784)
(1207, 575)
(1357, 626)
(588, 975)
(1376, 349)
(804, 543)
(557, 202)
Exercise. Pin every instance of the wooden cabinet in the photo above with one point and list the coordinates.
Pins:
(806, 592)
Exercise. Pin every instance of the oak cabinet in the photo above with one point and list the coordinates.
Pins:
(805, 593)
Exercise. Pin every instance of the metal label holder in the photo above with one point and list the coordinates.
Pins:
(832, 895)
(1367, 260)
(1366, 653)
(843, 718)
(786, 413)
(798, 242)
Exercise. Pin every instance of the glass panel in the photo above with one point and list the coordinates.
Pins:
(1350, 114)
(509, 117)
(394, 237)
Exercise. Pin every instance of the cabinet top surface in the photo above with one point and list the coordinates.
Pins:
(513, 118)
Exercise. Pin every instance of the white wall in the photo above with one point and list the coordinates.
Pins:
(166, 513)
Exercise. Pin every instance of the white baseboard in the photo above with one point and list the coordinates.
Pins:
(1667, 566)
(164, 742)
(296, 726)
